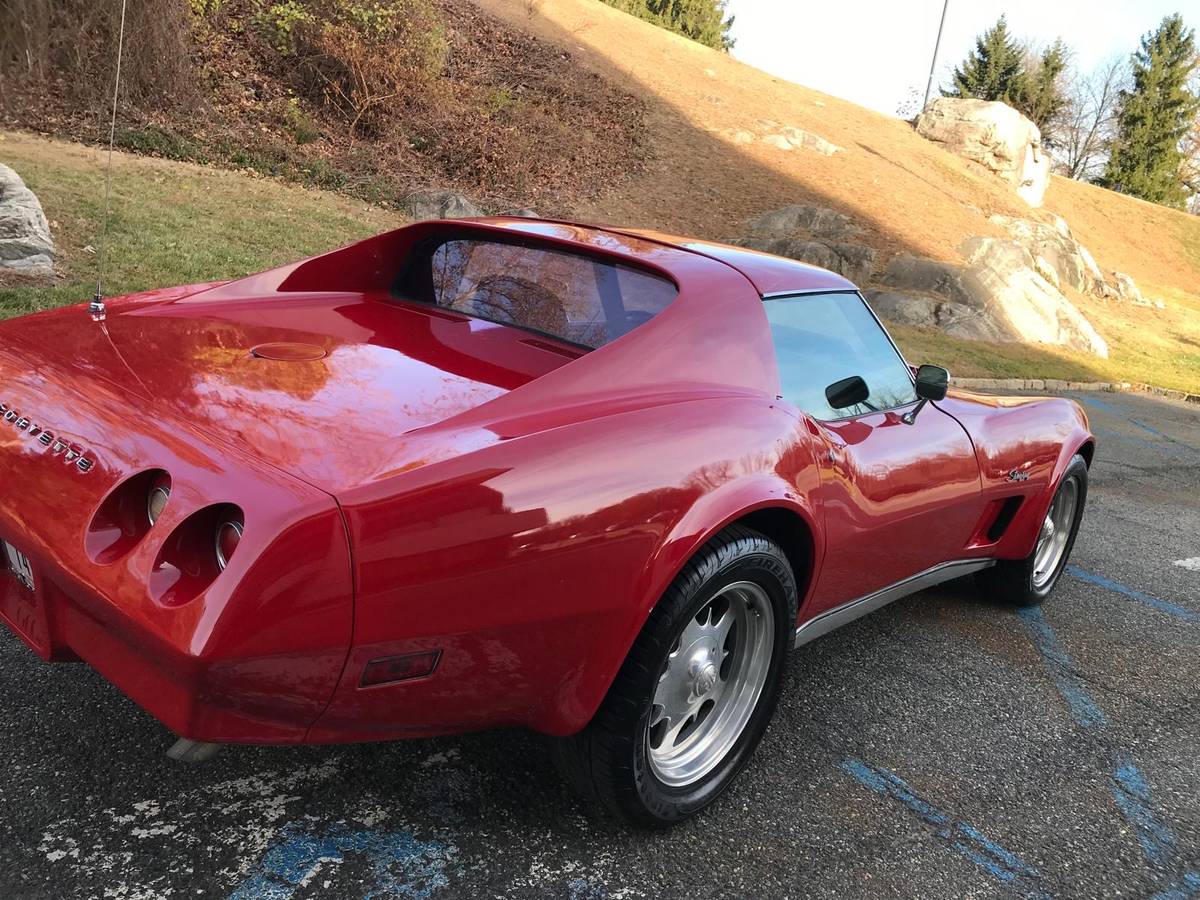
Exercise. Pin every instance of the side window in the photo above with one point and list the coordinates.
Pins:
(580, 299)
(823, 338)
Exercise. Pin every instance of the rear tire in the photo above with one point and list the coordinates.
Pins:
(697, 690)
(1029, 581)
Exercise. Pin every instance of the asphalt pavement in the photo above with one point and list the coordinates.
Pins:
(941, 747)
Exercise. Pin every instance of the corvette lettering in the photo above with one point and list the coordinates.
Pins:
(56, 446)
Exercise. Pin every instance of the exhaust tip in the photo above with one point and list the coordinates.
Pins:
(188, 751)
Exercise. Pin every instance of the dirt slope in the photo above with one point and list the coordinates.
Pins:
(912, 194)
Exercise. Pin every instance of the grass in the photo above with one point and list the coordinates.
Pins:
(171, 223)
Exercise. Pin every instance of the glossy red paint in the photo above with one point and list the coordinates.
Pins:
(414, 480)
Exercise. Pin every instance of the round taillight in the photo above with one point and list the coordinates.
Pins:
(156, 501)
(229, 535)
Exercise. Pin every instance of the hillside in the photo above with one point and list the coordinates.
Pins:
(654, 131)
(911, 195)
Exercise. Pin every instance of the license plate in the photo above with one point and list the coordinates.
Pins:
(18, 564)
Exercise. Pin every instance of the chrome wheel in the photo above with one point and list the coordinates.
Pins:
(1055, 533)
(710, 684)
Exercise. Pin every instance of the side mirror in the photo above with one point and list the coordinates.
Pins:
(932, 382)
(847, 392)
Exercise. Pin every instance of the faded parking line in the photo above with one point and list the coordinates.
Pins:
(1188, 615)
(966, 840)
(1131, 791)
(1138, 423)
(400, 865)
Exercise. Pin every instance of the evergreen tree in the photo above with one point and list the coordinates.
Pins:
(994, 70)
(1042, 98)
(1155, 115)
(701, 20)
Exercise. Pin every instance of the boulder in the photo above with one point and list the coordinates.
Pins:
(813, 221)
(917, 275)
(807, 140)
(995, 136)
(854, 261)
(439, 205)
(789, 137)
(1126, 289)
(26, 247)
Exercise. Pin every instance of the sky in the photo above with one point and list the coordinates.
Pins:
(874, 52)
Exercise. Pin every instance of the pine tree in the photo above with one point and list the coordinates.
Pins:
(1042, 98)
(1155, 115)
(994, 70)
(701, 20)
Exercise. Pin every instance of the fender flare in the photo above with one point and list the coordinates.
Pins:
(707, 517)
(1039, 505)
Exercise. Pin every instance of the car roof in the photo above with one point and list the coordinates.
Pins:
(768, 273)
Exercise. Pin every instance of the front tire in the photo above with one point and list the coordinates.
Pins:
(1029, 581)
(696, 692)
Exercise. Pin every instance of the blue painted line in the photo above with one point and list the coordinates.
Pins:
(1189, 615)
(1130, 790)
(1062, 670)
(401, 865)
(1150, 429)
(1187, 888)
(966, 840)
(1133, 799)
(1113, 411)
(1107, 434)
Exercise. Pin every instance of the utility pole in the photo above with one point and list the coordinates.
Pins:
(936, 46)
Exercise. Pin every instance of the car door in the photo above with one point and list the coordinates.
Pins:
(898, 495)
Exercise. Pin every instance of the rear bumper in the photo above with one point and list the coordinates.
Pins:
(226, 701)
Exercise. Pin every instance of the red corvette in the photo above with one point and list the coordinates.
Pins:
(505, 472)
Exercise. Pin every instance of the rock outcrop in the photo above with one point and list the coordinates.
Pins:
(1002, 276)
(1065, 262)
(817, 221)
(854, 261)
(995, 136)
(1056, 253)
(26, 247)
(815, 235)
(996, 295)
(1006, 288)
(781, 137)
(439, 205)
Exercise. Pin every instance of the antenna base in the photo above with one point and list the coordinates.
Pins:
(96, 308)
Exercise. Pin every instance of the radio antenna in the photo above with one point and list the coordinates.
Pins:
(96, 307)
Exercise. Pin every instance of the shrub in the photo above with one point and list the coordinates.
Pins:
(358, 57)
(76, 40)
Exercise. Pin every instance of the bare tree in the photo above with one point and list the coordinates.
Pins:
(1088, 119)
(1191, 150)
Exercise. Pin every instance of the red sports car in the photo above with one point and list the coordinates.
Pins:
(592, 482)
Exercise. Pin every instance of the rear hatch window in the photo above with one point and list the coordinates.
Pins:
(568, 296)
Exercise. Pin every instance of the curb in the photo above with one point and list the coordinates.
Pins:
(1054, 384)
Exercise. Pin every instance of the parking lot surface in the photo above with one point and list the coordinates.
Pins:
(940, 747)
